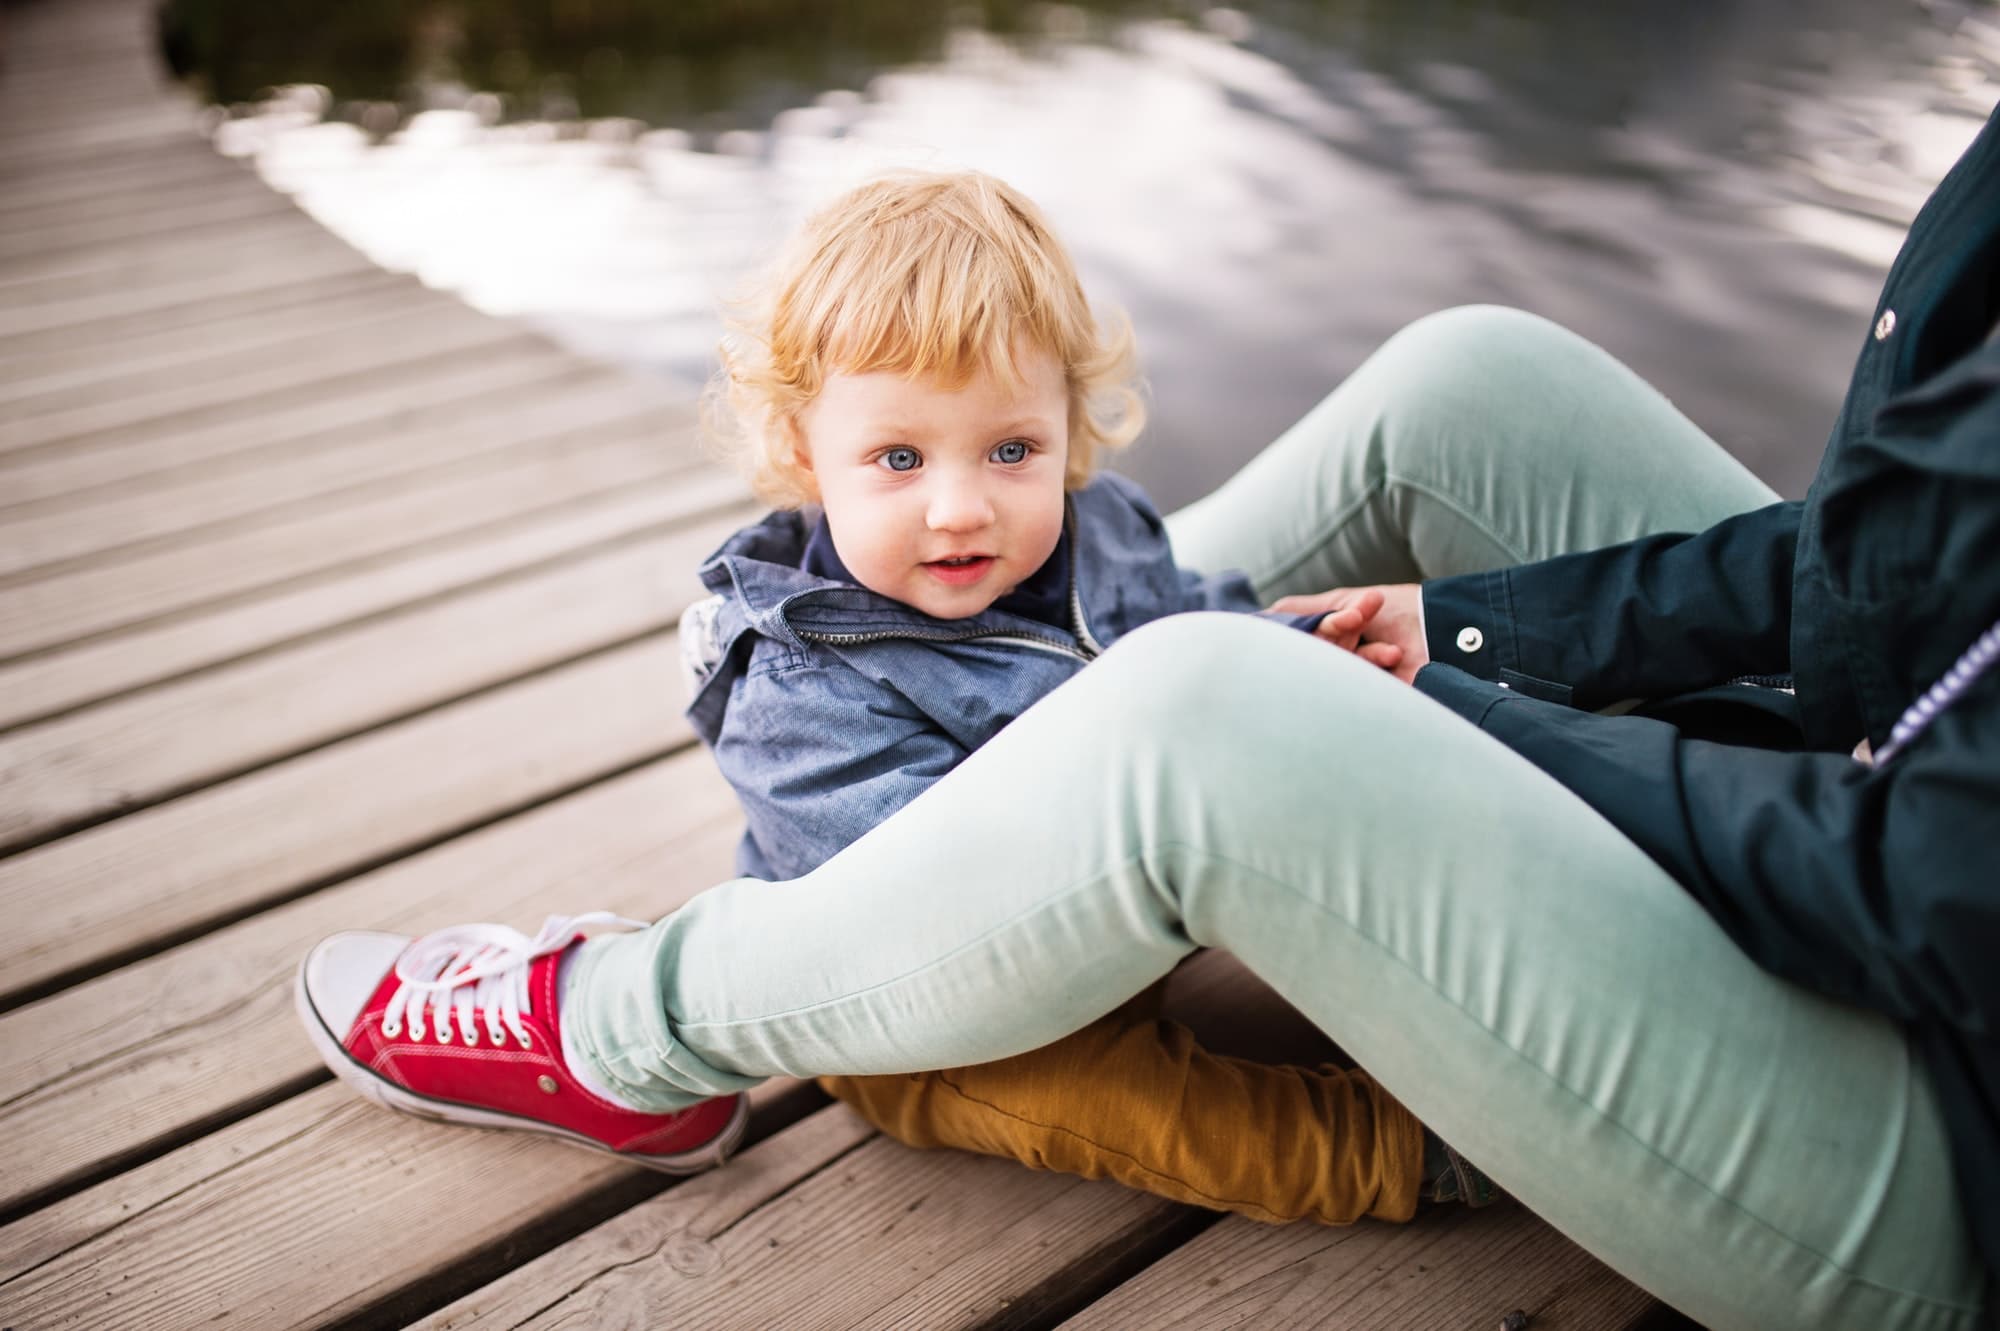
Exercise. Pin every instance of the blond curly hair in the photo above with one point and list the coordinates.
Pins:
(931, 275)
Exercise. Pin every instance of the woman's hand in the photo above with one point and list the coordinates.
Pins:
(1383, 625)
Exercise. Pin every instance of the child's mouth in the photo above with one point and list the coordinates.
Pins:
(960, 570)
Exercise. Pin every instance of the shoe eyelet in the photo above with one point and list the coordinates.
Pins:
(472, 1038)
(444, 1033)
(547, 1084)
(527, 1042)
(416, 1032)
(392, 1029)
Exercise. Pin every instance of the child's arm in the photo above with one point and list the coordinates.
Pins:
(819, 754)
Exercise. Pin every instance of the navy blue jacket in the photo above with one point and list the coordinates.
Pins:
(1878, 886)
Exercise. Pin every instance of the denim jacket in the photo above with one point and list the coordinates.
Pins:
(829, 707)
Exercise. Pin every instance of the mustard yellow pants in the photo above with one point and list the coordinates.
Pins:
(1133, 1097)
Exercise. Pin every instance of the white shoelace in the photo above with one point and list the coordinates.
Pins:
(478, 973)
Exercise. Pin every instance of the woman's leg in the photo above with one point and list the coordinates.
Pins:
(1473, 439)
(1512, 969)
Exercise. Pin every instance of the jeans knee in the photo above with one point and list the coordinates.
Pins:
(1477, 345)
(1169, 664)
(1446, 381)
(1196, 675)
(1463, 328)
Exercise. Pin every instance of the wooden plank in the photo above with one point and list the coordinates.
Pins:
(117, 339)
(108, 146)
(19, 89)
(222, 385)
(139, 883)
(53, 682)
(149, 261)
(469, 395)
(310, 385)
(552, 431)
(91, 56)
(881, 1237)
(54, 121)
(174, 184)
(135, 751)
(128, 1063)
(97, 1212)
(166, 133)
(21, 243)
(64, 608)
(1450, 1268)
(92, 294)
(432, 393)
(80, 188)
(396, 1203)
(221, 334)
(991, 1243)
(99, 60)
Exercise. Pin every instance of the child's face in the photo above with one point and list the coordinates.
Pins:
(943, 500)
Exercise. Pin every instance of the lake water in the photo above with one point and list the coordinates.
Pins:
(1710, 191)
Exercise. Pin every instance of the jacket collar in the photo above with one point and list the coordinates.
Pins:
(765, 573)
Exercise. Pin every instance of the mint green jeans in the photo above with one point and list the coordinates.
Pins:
(1509, 966)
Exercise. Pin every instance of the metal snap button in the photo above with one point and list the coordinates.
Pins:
(1885, 325)
(547, 1083)
(1470, 639)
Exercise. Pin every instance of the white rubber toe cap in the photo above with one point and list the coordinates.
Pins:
(342, 973)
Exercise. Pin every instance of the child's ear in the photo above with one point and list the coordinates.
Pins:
(802, 459)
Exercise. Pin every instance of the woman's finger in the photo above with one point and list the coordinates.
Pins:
(1385, 654)
(1312, 604)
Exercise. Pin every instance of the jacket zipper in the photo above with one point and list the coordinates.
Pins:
(1030, 639)
(1087, 649)
(1766, 681)
(1091, 646)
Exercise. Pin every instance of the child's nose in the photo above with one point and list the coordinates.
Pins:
(959, 507)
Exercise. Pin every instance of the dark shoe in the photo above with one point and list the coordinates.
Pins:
(1450, 1177)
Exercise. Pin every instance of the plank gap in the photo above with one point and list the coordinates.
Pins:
(445, 1286)
(153, 1148)
(1098, 1271)
(250, 595)
(408, 366)
(56, 831)
(83, 665)
(284, 502)
(167, 940)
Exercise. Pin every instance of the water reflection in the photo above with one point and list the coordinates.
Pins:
(1268, 190)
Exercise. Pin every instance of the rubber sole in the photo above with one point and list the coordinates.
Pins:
(372, 1086)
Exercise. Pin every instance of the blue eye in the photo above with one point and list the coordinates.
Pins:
(1013, 452)
(900, 459)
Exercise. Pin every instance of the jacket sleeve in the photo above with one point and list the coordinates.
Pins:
(819, 754)
(1875, 886)
(1216, 591)
(1655, 616)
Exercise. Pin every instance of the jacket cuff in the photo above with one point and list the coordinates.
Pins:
(1470, 697)
(1469, 624)
(1465, 622)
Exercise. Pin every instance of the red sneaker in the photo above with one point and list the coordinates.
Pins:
(462, 1026)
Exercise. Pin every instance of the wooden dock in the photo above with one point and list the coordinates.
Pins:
(326, 602)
